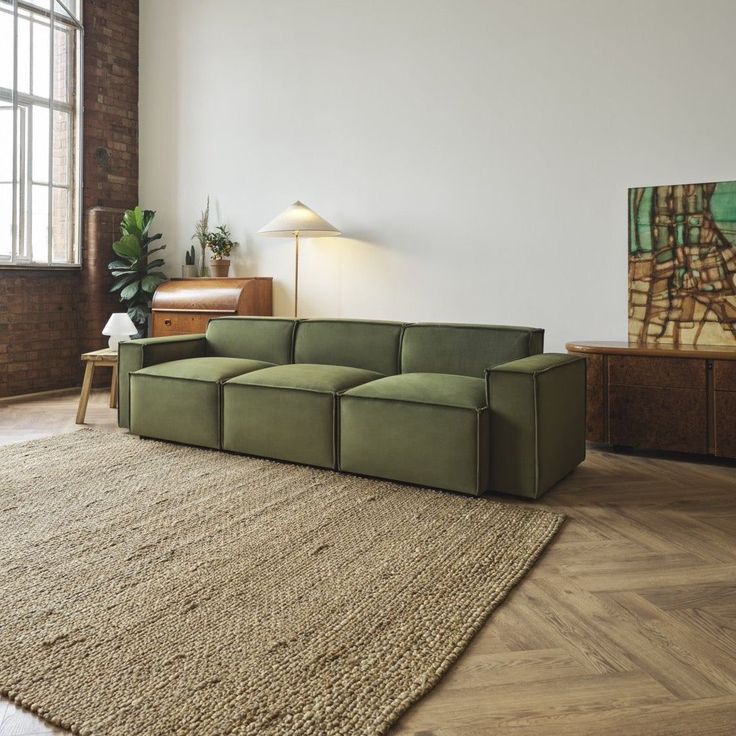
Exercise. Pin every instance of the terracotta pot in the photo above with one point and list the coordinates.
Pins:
(219, 268)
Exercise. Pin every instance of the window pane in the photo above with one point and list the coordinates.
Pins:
(6, 48)
(70, 4)
(63, 66)
(40, 147)
(60, 225)
(41, 57)
(6, 219)
(24, 53)
(62, 141)
(6, 143)
(40, 223)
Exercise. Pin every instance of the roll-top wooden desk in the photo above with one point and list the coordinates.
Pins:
(660, 397)
(185, 306)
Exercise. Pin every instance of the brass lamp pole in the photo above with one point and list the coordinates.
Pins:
(298, 220)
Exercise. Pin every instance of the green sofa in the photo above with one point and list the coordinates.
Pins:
(468, 408)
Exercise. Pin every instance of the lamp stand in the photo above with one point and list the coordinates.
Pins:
(296, 275)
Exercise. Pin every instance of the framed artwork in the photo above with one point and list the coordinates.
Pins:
(682, 264)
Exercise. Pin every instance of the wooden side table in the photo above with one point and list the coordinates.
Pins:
(105, 358)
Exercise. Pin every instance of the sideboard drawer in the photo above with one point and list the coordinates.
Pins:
(166, 324)
(724, 375)
(628, 370)
(651, 418)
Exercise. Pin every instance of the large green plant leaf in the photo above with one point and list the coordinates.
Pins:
(124, 281)
(150, 283)
(130, 290)
(128, 247)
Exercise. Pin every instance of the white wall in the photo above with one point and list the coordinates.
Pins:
(476, 154)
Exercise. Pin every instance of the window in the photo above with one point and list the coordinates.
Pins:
(40, 68)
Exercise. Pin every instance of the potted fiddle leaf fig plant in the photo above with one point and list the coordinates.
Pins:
(189, 270)
(136, 277)
(220, 244)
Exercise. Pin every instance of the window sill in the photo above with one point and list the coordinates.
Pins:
(40, 267)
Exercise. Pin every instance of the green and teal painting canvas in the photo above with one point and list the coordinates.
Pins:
(682, 264)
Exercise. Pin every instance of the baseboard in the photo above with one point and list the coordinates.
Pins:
(41, 394)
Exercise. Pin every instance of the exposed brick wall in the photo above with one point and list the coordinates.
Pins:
(47, 318)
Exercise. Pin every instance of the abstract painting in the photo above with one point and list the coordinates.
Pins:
(682, 264)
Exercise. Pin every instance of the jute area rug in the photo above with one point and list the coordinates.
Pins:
(149, 588)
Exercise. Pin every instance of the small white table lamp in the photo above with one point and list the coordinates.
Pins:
(295, 221)
(119, 328)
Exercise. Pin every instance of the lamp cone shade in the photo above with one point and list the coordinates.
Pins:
(298, 219)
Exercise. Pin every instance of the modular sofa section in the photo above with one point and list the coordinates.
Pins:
(136, 354)
(180, 401)
(537, 409)
(288, 412)
(428, 429)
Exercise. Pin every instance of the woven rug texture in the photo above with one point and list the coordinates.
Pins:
(151, 588)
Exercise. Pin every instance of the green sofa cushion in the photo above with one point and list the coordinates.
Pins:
(308, 377)
(259, 338)
(180, 400)
(465, 349)
(427, 388)
(287, 412)
(373, 346)
(203, 369)
(438, 445)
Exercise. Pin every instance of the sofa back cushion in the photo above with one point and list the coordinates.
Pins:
(257, 338)
(373, 346)
(466, 350)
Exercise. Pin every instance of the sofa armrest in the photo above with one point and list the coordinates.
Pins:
(136, 354)
(537, 413)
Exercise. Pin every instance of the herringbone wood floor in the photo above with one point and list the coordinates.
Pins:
(626, 626)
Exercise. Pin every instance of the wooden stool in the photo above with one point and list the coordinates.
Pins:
(105, 358)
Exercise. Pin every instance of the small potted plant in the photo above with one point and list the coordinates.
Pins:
(189, 270)
(201, 231)
(220, 244)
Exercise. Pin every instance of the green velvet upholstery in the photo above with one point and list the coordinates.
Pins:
(257, 338)
(537, 407)
(136, 354)
(468, 408)
(180, 400)
(465, 349)
(425, 428)
(373, 346)
(288, 412)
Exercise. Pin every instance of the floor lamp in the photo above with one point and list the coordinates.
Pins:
(298, 221)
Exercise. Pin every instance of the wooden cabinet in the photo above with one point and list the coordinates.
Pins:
(185, 306)
(661, 398)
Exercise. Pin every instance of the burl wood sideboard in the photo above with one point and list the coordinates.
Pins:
(185, 306)
(680, 399)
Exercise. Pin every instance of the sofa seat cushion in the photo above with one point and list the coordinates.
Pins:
(180, 400)
(204, 369)
(427, 388)
(425, 428)
(288, 412)
(309, 377)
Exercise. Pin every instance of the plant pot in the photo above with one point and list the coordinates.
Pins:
(219, 268)
(189, 272)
